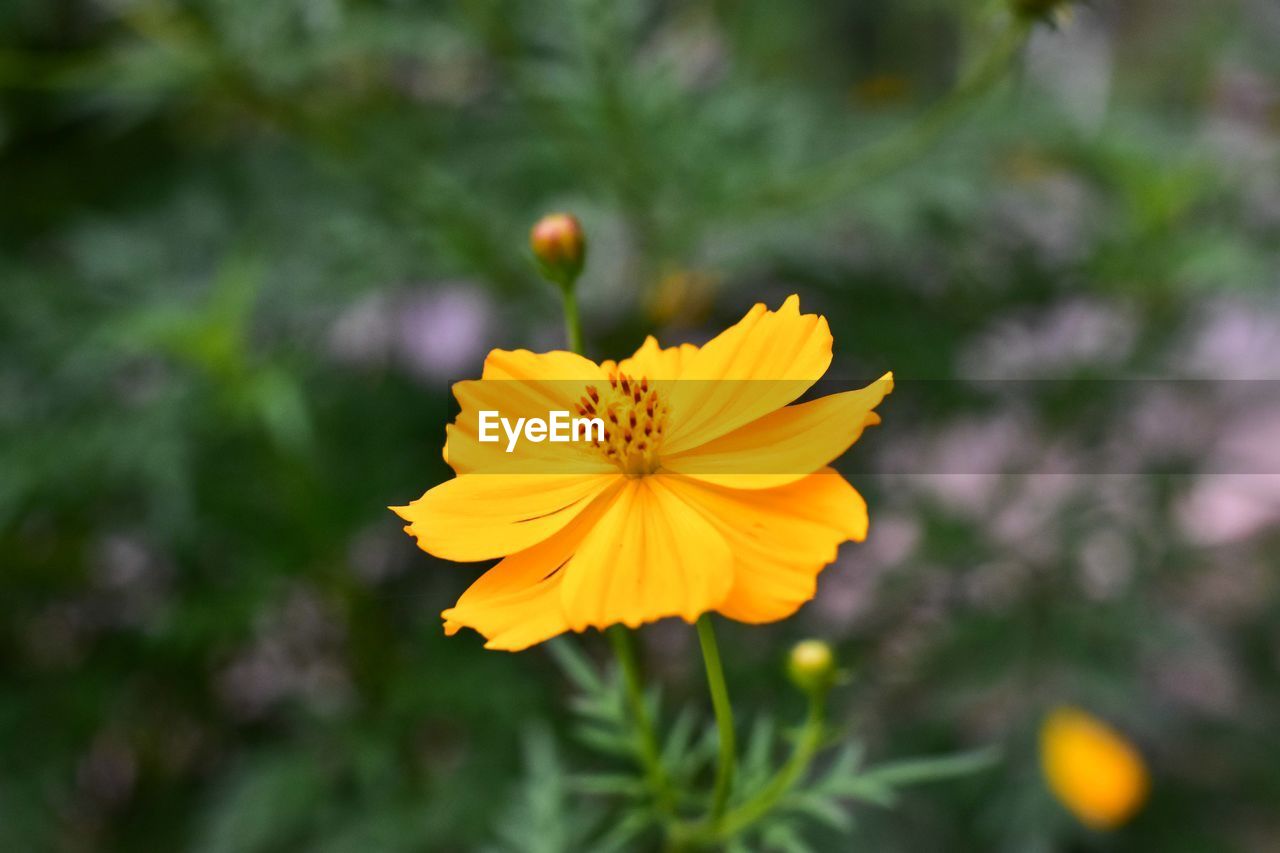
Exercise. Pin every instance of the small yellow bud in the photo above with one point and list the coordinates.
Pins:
(560, 247)
(812, 666)
(1092, 770)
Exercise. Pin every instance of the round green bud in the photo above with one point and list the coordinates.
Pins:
(812, 666)
(559, 246)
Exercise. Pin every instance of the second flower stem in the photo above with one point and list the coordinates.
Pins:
(724, 717)
(572, 324)
(807, 746)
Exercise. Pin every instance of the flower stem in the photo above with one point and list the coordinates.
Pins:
(572, 324)
(724, 717)
(807, 746)
(850, 172)
(650, 760)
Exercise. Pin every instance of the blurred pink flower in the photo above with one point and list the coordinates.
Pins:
(1239, 496)
(434, 332)
(1073, 334)
(849, 586)
(442, 333)
(298, 653)
(1224, 508)
(1238, 339)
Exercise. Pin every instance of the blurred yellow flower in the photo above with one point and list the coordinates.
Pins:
(708, 491)
(1092, 770)
(882, 89)
(683, 293)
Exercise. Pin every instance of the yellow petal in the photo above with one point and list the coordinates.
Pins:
(521, 364)
(517, 603)
(652, 362)
(786, 445)
(781, 538)
(1091, 768)
(760, 364)
(649, 556)
(482, 516)
(511, 605)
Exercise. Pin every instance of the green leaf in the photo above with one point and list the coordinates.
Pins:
(575, 665)
(542, 818)
(917, 770)
(679, 737)
(606, 740)
(623, 833)
(821, 808)
(269, 804)
(865, 789)
(756, 758)
(619, 784)
(783, 837)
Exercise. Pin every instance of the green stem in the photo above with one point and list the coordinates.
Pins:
(572, 323)
(747, 814)
(807, 746)
(650, 760)
(866, 164)
(724, 717)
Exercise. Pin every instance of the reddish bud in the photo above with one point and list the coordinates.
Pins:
(559, 246)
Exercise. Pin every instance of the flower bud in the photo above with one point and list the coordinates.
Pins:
(559, 247)
(812, 666)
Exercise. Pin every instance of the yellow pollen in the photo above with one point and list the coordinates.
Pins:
(634, 419)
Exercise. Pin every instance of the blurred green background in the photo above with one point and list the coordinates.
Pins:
(245, 246)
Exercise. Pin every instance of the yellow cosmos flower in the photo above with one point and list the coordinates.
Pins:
(1092, 770)
(709, 491)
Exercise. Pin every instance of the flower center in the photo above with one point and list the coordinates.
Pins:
(634, 418)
